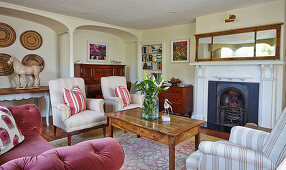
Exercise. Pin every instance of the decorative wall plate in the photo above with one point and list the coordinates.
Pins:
(31, 40)
(7, 35)
(5, 68)
(33, 59)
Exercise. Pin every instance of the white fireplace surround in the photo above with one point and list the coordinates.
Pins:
(267, 73)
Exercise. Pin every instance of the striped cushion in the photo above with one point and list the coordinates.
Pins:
(75, 100)
(123, 93)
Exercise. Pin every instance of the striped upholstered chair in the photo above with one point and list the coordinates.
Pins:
(246, 149)
(112, 103)
(92, 117)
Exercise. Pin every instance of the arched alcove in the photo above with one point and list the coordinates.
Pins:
(57, 26)
(124, 35)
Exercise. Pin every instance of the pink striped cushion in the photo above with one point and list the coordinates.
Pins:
(75, 100)
(123, 93)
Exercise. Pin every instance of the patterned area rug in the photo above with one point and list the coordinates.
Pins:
(142, 153)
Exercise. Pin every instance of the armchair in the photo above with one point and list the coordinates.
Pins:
(246, 149)
(93, 117)
(112, 103)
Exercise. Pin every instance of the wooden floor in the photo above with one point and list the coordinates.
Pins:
(47, 132)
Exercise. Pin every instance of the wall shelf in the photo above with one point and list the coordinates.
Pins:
(151, 61)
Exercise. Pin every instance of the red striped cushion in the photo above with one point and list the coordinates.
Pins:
(75, 100)
(123, 93)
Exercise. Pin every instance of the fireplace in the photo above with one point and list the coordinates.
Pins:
(232, 104)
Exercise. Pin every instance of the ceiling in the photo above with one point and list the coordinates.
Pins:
(138, 14)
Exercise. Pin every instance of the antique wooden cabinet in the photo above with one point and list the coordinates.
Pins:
(92, 73)
(181, 98)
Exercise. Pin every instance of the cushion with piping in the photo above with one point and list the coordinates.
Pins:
(10, 135)
(75, 100)
(123, 93)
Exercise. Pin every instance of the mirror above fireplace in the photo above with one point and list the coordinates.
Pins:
(253, 43)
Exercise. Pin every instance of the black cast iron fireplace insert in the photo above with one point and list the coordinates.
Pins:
(232, 104)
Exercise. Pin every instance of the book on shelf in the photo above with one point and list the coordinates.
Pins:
(151, 50)
(152, 66)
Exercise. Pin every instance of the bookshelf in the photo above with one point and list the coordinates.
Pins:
(152, 59)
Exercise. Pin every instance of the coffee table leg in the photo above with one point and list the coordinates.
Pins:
(171, 154)
(110, 128)
(197, 140)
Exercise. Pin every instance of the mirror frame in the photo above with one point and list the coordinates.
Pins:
(242, 30)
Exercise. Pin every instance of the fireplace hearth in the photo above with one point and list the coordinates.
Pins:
(232, 104)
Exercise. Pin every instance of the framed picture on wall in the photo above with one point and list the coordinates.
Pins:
(180, 50)
(97, 51)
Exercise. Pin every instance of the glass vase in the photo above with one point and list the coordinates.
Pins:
(150, 108)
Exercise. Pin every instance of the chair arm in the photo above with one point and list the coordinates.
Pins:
(63, 109)
(137, 99)
(237, 153)
(249, 138)
(95, 105)
(113, 104)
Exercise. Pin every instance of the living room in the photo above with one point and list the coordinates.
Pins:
(67, 31)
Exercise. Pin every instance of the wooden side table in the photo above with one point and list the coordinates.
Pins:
(19, 94)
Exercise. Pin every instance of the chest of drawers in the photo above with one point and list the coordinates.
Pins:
(92, 73)
(181, 98)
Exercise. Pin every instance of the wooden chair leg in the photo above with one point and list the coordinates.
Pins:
(55, 131)
(104, 131)
(69, 139)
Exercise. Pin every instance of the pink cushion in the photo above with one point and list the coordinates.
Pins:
(28, 119)
(75, 100)
(104, 153)
(123, 93)
(10, 136)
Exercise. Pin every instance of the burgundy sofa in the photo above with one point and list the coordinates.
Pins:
(36, 153)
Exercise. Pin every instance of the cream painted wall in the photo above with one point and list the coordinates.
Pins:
(131, 62)
(179, 70)
(48, 51)
(64, 55)
(116, 46)
(267, 13)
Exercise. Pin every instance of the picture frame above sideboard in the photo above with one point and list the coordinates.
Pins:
(97, 52)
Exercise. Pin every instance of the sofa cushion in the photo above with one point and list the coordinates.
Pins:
(10, 136)
(75, 100)
(32, 146)
(83, 120)
(123, 93)
(28, 119)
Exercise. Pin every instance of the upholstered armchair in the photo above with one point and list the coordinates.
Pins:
(92, 117)
(246, 149)
(112, 103)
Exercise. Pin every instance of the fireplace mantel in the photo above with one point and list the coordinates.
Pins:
(237, 63)
(268, 73)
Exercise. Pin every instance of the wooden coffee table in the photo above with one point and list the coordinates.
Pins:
(170, 133)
